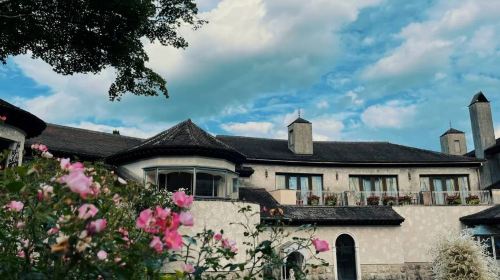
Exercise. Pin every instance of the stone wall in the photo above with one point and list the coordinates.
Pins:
(406, 271)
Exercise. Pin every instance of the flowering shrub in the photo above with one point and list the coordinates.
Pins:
(373, 200)
(461, 257)
(68, 220)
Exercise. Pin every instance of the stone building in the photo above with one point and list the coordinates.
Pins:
(380, 205)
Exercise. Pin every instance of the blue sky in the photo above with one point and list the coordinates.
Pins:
(368, 70)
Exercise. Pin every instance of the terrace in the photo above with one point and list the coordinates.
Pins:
(373, 198)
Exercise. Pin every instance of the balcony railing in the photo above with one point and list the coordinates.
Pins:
(321, 198)
(368, 198)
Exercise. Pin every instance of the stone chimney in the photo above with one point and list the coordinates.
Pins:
(300, 137)
(482, 124)
(453, 142)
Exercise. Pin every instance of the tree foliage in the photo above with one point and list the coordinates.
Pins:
(86, 36)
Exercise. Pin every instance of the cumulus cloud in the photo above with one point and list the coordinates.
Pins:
(257, 129)
(393, 114)
(144, 132)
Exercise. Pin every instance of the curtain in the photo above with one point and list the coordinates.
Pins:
(354, 184)
(292, 183)
(317, 185)
(450, 186)
(304, 188)
(280, 182)
(438, 191)
(425, 183)
(378, 186)
(463, 186)
(367, 185)
(392, 188)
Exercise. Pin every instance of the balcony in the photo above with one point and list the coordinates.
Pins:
(351, 198)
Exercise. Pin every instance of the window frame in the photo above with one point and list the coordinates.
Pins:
(373, 179)
(298, 176)
(443, 178)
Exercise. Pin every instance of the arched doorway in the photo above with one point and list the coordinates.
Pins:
(346, 257)
(293, 266)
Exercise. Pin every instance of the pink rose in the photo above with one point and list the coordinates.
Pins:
(97, 226)
(172, 239)
(230, 245)
(320, 245)
(87, 211)
(35, 146)
(186, 219)
(42, 148)
(20, 224)
(162, 213)
(65, 163)
(78, 182)
(182, 200)
(188, 268)
(145, 219)
(156, 244)
(102, 255)
(53, 230)
(218, 236)
(16, 206)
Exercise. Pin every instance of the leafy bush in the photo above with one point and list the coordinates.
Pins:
(461, 257)
(64, 220)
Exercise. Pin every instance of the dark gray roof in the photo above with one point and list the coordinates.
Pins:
(321, 215)
(490, 216)
(342, 153)
(478, 97)
(490, 151)
(299, 120)
(82, 143)
(342, 215)
(185, 138)
(21, 119)
(452, 131)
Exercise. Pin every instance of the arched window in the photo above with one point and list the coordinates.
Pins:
(293, 266)
(346, 257)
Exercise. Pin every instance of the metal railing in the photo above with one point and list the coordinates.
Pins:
(323, 198)
(397, 198)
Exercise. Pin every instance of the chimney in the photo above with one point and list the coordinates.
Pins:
(300, 137)
(453, 142)
(116, 132)
(482, 124)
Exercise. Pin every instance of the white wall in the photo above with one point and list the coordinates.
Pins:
(331, 183)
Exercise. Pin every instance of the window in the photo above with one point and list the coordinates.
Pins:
(290, 138)
(307, 185)
(444, 183)
(194, 180)
(457, 146)
(369, 183)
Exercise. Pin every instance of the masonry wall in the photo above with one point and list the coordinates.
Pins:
(337, 179)
(15, 135)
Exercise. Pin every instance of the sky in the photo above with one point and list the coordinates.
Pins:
(360, 70)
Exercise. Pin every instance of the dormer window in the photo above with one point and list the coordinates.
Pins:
(290, 137)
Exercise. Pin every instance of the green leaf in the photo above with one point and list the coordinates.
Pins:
(15, 186)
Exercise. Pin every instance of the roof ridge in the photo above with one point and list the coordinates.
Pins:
(94, 131)
(430, 151)
(317, 141)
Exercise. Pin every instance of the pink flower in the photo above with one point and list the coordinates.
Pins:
(162, 213)
(188, 268)
(186, 219)
(35, 146)
(156, 244)
(3, 118)
(97, 226)
(229, 244)
(42, 148)
(102, 255)
(20, 224)
(78, 182)
(16, 206)
(182, 200)
(320, 245)
(53, 230)
(145, 219)
(172, 239)
(21, 254)
(87, 211)
(218, 236)
(65, 163)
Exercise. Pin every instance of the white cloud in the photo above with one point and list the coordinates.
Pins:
(354, 98)
(257, 129)
(140, 132)
(327, 127)
(497, 131)
(322, 104)
(393, 114)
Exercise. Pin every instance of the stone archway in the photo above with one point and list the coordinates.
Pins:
(346, 257)
(293, 266)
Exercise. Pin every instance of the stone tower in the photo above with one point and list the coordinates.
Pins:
(482, 124)
(453, 142)
(300, 137)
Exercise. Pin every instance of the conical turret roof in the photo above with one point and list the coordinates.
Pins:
(185, 138)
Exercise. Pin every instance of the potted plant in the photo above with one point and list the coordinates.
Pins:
(472, 200)
(373, 200)
(331, 200)
(313, 200)
(404, 199)
(389, 200)
(453, 200)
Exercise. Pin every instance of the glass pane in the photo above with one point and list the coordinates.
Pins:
(425, 183)
(378, 185)
(450, 186)
(391, 184)
(317, 185)
(150, 177)
(235, 185)
(367, 185)
(205, 184)
(280, 182)
(292, 182)
(438, 189)
(174, 180)
(496, 240)
(304, 188)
